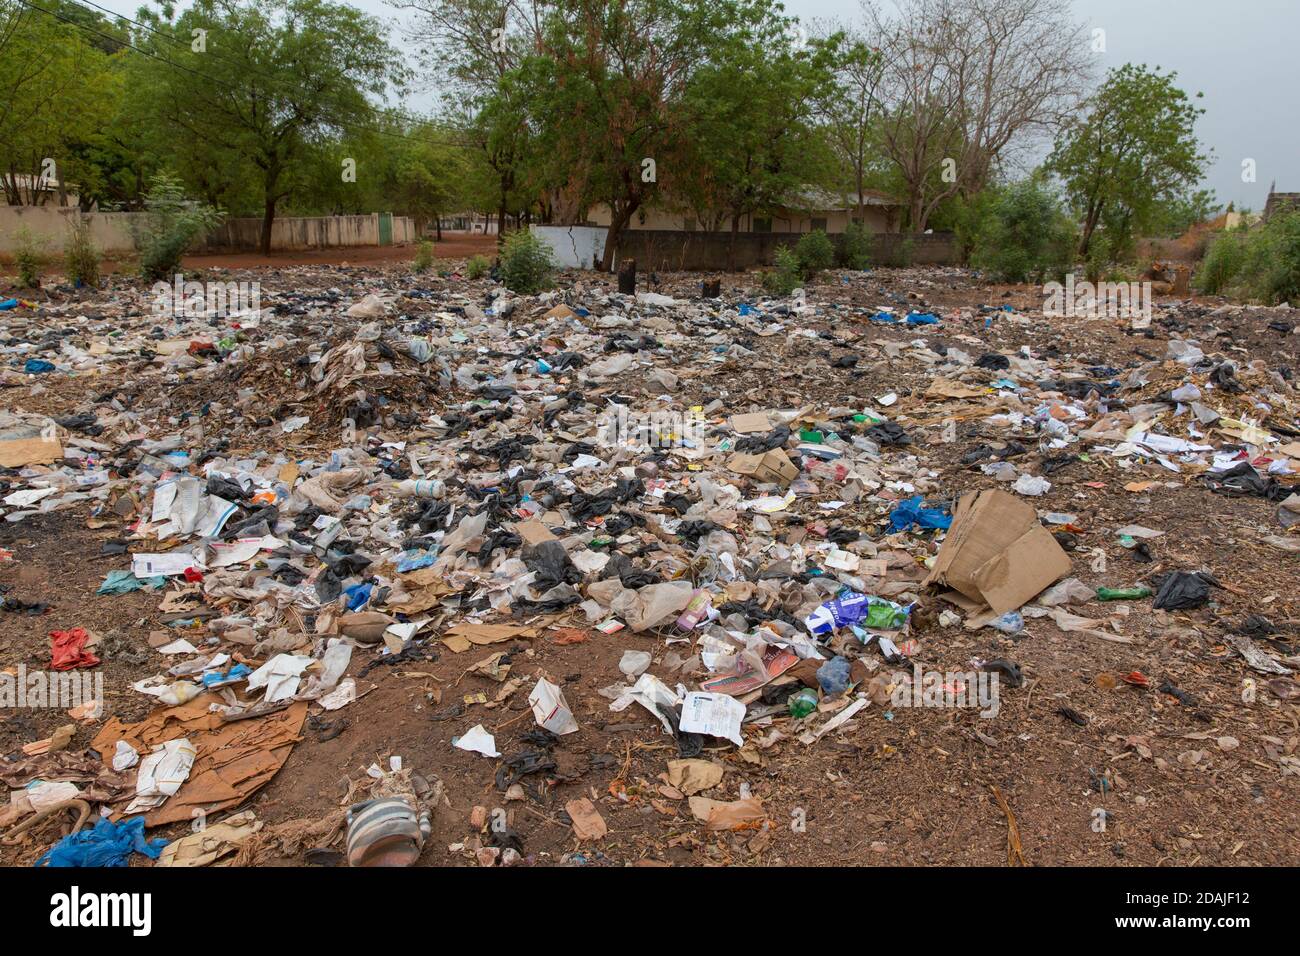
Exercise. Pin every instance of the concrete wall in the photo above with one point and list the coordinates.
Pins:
(112, 231)
(575, 247)
(658, 219)
(674, 250)
(293, 234)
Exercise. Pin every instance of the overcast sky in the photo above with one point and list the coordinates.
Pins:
(1244, 56)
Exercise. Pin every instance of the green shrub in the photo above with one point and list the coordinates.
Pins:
(1025, 236)
(423, 256)
(80, 255)
(1222, 264)
(855, 252)
(477, 267)
(1272, 268)
(1261, 263)
(815, 252)
(787, 276)
(29, 256)
(527, 264)
(170, 224)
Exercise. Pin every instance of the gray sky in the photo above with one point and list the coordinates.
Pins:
(1244, 56)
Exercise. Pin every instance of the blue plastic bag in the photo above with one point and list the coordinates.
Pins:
(105, 844)
(909, 512)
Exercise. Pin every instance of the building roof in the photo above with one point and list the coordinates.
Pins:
(826, 200)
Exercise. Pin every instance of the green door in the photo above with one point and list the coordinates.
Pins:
(385, 228)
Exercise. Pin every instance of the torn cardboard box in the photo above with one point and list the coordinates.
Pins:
(774, 467)
(996, 555)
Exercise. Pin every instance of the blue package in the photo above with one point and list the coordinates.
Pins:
(851, 608)
(910, 512)
(358, 595)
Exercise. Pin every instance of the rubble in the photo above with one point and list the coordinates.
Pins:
(757, 520)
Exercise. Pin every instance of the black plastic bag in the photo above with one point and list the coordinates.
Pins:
(1183, 590)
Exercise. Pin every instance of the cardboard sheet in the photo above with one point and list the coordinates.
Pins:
(996, 552)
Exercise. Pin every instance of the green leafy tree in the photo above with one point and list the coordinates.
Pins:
(1133, 150)
(848, 110)
(1026, 235)
(750, 143)
(273, 81)
(56, 88)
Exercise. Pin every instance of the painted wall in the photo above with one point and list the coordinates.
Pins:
(575, 247)
(656, 219)
(112, 231)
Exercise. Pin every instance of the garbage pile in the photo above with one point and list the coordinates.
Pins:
(776, 519)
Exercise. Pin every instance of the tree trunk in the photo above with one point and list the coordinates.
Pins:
(617, 221)
(1089, 227)
(268, 219)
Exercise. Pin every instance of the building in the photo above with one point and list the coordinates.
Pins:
(21, 189)
(808, 212)
(1280, 202)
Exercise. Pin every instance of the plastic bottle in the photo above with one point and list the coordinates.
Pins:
(803, 703)
(696, 611)
(421, 488)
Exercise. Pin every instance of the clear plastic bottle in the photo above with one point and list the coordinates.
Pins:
(421, 488)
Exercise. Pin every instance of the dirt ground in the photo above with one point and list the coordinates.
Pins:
(452, 246)
(1205, 777)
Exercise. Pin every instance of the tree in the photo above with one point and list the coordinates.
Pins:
(1134, 149)
(749, 142)
(965, 83)
(849, 111)
(476, 50)
(56, 89)
(430, 175)
(271, 81)
(607, 81)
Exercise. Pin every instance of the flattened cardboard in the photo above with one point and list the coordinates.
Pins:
(774, 467)
(946, 388)
(460, 637)
(751, 423)
(533, 532)
(235, 759)
(18, 452)
(997, 553)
